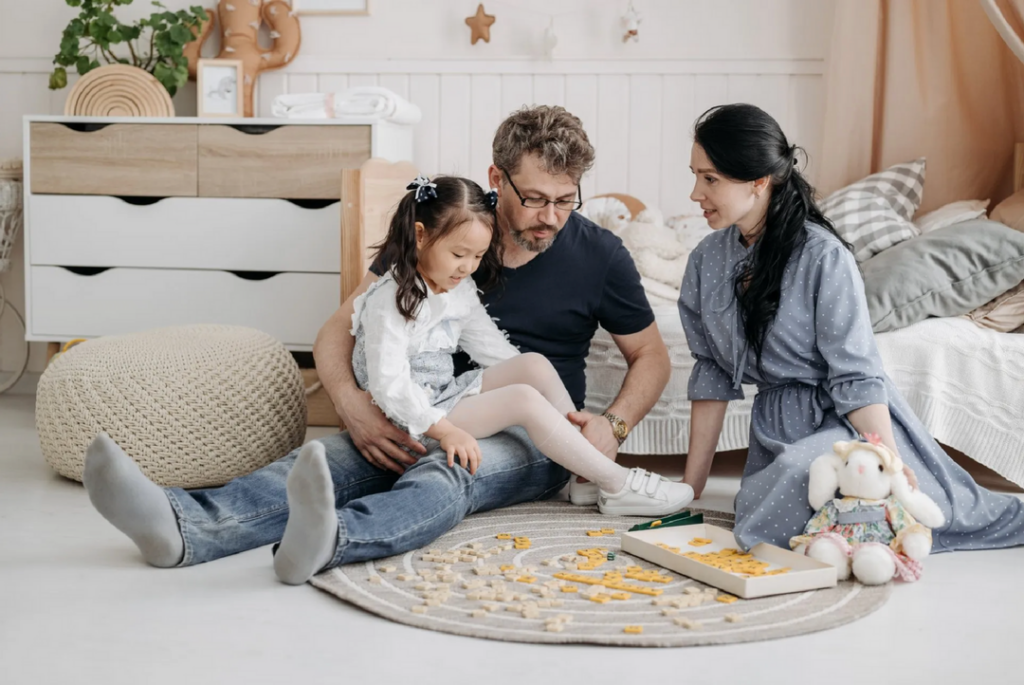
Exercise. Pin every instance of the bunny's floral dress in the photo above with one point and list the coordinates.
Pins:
(820, 362)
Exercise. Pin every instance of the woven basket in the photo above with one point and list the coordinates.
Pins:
(195, 406)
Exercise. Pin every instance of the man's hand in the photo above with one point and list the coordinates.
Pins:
(598, 431)
(377, 439)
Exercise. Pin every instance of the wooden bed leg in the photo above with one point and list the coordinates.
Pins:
(1018, 167)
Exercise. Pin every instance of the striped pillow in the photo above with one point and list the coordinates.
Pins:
(874, 213)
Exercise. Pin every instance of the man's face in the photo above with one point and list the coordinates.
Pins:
(528, 228)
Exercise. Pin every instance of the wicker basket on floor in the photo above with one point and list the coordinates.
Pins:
(194, 406)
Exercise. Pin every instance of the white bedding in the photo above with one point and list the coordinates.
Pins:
(966, 384)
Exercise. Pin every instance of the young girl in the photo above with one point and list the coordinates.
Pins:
(409, 323)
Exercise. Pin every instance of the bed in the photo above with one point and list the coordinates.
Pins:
(949, 369)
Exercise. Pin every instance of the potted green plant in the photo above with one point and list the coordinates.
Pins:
(154, 44)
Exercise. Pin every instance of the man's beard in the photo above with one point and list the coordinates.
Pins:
(521, 239)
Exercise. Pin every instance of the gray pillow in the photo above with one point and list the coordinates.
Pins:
(947, 272)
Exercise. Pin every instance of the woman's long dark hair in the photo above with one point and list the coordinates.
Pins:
(745, 143)
(458, 201)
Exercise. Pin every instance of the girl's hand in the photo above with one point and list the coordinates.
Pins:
(459, 442)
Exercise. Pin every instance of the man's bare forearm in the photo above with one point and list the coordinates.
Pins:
(645, 380)
(332, 350)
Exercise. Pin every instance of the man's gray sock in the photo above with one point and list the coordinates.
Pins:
(311, 534)
(134, 504)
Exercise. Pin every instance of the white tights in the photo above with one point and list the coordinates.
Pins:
(527, 391)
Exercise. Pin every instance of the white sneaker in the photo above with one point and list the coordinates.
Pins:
(645, 494)
(582, 494)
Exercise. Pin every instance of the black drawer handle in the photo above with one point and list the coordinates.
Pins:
(255, 129)
(83, 127)
(141, 200)
(86, 270)
(255, 275)
(312, 204)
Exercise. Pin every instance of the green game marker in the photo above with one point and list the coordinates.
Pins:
(683, 518)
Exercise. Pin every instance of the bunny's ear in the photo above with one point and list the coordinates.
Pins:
(919, 505)
(824, 479)
(843, 449)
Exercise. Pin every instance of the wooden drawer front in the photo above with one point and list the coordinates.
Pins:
(119, 159)
(289, 161)
(291, 307)
(184, 233)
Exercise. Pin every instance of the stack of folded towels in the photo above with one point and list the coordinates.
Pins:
(361, 102)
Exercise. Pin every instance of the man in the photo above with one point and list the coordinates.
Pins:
(563, 277)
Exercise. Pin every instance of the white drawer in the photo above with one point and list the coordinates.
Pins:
(289, 306)
(184, 233)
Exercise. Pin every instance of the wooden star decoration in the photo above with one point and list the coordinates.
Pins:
(480, 23)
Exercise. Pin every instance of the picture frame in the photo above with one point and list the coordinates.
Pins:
(356, 8)
(219, 88)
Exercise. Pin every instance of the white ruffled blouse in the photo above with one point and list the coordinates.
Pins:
(444, 322)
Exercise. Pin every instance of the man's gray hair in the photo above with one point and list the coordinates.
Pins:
(552, 133)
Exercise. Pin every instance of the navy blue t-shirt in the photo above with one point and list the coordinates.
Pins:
(554, 303)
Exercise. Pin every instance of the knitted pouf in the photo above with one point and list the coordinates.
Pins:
(195, 406)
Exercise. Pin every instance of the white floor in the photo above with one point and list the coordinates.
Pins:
(77, 605)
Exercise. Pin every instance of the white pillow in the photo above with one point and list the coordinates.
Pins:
(950, 214)
(874, 213)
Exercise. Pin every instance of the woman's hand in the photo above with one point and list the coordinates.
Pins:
(458, 442)
(377, 439)
(911, 478)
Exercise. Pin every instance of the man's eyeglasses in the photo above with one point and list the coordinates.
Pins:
(542, 202)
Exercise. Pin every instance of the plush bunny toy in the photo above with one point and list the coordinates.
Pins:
(877, 528)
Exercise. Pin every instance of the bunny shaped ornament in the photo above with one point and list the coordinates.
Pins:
(880, 528)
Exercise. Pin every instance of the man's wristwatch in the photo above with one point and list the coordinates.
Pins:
(619, 427)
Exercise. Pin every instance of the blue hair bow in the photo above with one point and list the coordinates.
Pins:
(425, 190)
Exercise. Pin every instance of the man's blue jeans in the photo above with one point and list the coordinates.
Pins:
(379, 513)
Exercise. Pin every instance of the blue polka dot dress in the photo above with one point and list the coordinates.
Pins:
(820, 362)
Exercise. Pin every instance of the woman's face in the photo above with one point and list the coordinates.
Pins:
(725, 202)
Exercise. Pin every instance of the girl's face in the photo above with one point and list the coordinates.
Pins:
(445, 262)
(725, 202)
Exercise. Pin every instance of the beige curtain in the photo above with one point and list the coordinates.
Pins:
(932, 78)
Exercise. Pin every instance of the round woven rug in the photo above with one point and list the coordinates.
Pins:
(522, 611)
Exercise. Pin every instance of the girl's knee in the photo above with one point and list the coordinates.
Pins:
(536, 366)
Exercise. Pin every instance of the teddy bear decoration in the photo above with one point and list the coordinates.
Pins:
(240, 22)
(879, 529)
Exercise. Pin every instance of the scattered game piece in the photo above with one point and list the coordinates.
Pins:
(526, 579)
(419, 609)
(479, 613)
(387, 569)
(699, 542)
(725, 599)
(404, 577)
(655, 524)
(633, 630)
(621, 595)
(608, 531)
(569, 588)
(503, 536)
(375, 580)
(611, 556)
(554, 627)
(733, 618)
(691, 590)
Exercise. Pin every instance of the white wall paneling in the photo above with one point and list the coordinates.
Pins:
(637, 101)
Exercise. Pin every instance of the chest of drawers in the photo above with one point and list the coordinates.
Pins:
(135, 223)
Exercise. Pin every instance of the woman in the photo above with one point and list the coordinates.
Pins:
(774, 298)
